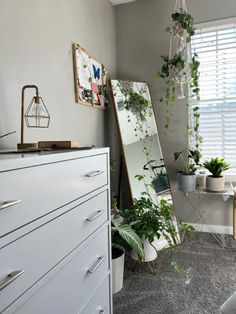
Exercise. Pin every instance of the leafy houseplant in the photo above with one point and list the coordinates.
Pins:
(216, 181)
(160, 180)
(182, 24)
(186, 178)
(151, 222)
(122, 234)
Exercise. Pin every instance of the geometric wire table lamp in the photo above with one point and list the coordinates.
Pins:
(36, 115)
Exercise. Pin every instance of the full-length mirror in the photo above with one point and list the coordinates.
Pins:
(139, 137)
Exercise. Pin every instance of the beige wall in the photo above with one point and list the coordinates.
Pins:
(141, 40)
(35, 48)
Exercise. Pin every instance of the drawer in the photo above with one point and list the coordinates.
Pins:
(39, 251)
(99, 301)
(44, 188)
(73, 280)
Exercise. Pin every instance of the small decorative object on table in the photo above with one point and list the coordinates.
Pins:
(36, 115)
(201, 180)
(58, 144)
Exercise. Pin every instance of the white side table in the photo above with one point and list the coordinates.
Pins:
(204, 214)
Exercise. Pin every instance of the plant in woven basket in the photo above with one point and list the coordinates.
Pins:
(182, 25)
(180, 72)
(177, 71)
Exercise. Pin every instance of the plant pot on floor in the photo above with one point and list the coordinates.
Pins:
(215, 184)
(118, 261)
(186, 182)
(150, 250)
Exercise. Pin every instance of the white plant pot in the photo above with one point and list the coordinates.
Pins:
(118, 261)
(150, 250)
(215, 184)
(186, 182)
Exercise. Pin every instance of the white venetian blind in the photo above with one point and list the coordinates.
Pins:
(216, 49)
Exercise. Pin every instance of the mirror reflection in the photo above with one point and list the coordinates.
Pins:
(139, 136)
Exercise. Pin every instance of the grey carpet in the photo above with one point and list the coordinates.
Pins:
(206, 280)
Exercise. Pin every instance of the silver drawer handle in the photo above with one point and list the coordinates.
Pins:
(8, 204)
(94, 173)
(95, 216)
(98, 263)
(10, 277)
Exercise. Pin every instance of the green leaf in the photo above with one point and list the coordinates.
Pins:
(139, 177)
(133, 240)
(177, 154)
(176, 267)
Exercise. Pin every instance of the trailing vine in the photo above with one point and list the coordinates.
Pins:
(181, 72)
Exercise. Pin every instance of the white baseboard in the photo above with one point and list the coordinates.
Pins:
(213, 228)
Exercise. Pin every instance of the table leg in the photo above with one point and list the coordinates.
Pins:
(234, 216)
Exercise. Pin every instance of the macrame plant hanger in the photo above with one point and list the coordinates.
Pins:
(178, 36)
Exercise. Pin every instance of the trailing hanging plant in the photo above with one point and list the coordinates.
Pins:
(139, 108)
(195, 90)
(181, 72)
(135, 101)
(182, 24)
(179, 66)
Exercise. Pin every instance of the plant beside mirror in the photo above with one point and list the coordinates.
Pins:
(151, 222)
(123, 236)
(159, 176)
(216, 181)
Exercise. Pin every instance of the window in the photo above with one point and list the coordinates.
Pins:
(215, 44)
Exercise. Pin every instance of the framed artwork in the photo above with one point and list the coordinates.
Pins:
(89, 78)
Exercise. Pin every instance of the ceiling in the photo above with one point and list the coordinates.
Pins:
(117, 2)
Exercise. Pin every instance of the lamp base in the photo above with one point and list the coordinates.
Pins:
(27, 145)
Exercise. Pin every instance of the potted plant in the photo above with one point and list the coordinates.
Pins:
(152, 223)
(182, 25)
(180, 72)
(160, 180)
(216, 181)
(186, 178)
(122, 235)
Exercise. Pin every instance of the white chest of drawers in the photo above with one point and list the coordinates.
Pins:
(55, 252)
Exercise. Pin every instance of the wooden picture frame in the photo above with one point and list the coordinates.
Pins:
(89, 78)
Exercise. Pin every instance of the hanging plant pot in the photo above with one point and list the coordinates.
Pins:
(178, 30)
(118, 261)
(215, 184)
(180, 74)
(186, 182)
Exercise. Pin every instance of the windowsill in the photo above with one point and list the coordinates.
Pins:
(230, 175)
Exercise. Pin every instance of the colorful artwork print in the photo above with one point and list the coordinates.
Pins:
(90, 78)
